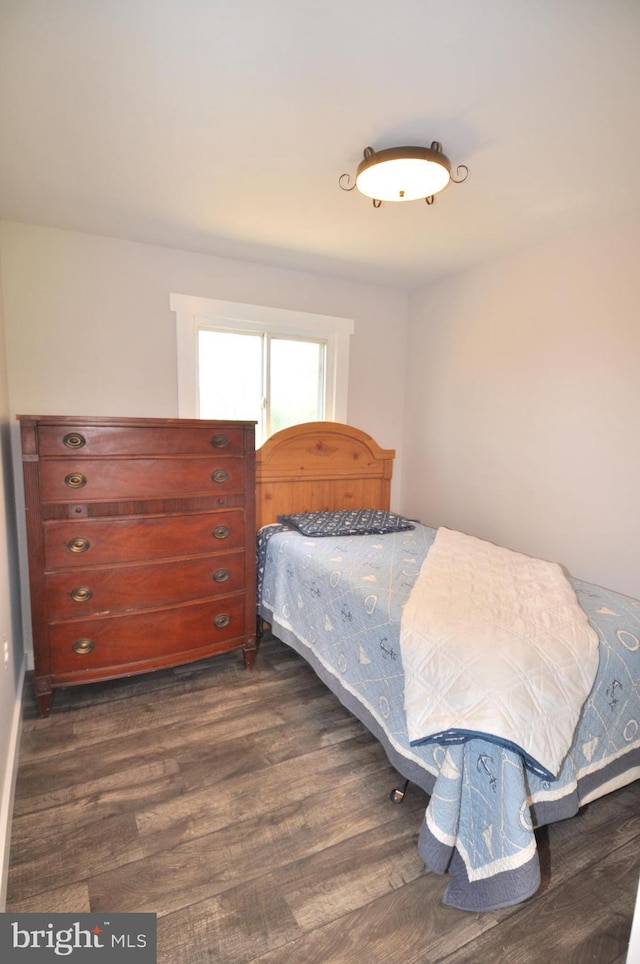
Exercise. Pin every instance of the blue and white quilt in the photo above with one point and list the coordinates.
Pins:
(339, 602)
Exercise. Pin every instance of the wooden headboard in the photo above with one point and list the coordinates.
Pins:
(321, 465)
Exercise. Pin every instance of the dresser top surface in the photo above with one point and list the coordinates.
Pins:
(121, 422)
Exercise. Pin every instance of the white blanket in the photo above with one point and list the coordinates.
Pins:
(494, 642)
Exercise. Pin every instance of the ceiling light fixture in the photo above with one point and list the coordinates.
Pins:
(403, 174)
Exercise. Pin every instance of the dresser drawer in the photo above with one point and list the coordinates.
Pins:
(87, 592)
(85, 441)
(84, 645)
(85, 543)
(88, 480)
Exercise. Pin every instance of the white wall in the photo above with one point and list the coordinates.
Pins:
(523, 404)
(89, 330)
(11, 673)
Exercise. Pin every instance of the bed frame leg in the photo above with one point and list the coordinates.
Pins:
(397, 794)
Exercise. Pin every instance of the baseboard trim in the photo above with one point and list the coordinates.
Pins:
(9, 787)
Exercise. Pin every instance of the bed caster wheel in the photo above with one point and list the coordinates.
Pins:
(397, 794)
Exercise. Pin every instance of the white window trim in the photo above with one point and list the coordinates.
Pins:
(192, 312)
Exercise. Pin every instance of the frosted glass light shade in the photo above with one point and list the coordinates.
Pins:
(403, 173)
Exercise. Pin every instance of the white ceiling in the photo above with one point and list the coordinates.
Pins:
(222, 126)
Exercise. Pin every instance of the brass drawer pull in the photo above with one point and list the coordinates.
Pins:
(220, 475)
(221, 532)
(219, 441)
(75, 480)
(74, 440)
(83, 646)
(81, 594)
(221, 621)
(221, 575)
(79, 544)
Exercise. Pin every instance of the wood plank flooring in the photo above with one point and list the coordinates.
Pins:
(251, 812)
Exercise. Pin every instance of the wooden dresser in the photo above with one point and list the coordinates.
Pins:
(141, 542)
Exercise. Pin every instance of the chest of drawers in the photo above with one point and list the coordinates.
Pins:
(141, 536)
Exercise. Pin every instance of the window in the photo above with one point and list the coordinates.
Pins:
(275, 366)
(274, 380)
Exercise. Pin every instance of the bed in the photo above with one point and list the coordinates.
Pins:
(338, 601)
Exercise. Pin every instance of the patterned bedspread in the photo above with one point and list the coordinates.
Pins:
(338, 602)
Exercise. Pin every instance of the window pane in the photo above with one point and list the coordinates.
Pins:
(230, 375)
(296, 382)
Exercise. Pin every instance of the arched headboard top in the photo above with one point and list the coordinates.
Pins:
(321, 465)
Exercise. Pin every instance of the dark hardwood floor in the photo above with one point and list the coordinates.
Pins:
(251, 812)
